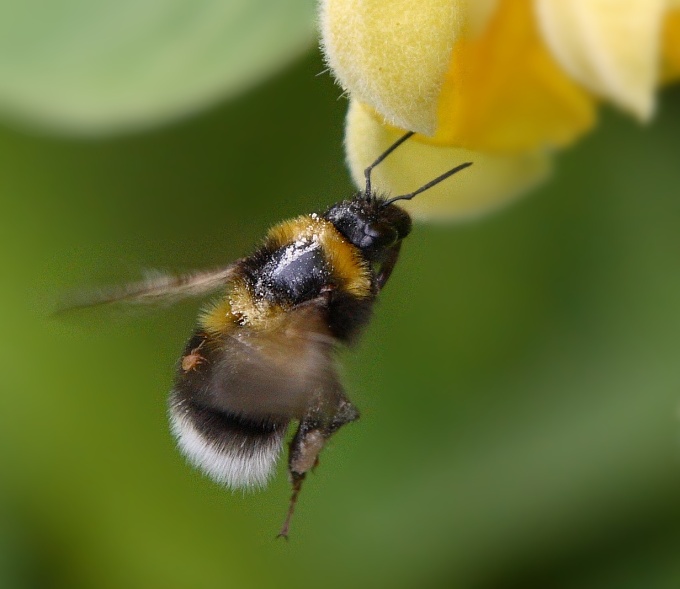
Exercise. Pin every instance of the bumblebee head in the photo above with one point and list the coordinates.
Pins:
(373, 223)
(370, 224)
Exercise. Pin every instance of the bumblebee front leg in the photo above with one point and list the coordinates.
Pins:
(305, 447)
(388, 265)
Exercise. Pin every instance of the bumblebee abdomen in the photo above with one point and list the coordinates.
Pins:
(230, 449)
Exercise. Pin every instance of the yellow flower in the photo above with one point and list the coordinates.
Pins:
(500, 82)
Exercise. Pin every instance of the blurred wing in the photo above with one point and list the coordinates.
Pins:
(236, 392)
(157, 288)
(264, 373)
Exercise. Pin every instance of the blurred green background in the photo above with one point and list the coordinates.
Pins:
(519, 386)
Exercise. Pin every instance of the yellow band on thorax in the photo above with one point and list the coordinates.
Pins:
(345, 260)
(239, 307)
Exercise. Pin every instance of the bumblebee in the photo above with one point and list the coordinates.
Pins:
(262, 355)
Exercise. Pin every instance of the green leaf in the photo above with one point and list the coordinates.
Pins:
(102, 66)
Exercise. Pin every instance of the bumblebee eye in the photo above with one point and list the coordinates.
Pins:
(378, 236)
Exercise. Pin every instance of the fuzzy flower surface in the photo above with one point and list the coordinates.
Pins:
(502, 83)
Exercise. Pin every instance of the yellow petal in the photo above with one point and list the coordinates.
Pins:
(670, 50)
(488, 184)
(478, 14)
(393, 54)
(609, 46)
(505, 92)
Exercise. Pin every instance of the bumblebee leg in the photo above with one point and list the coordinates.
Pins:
(388, 265)
(306, 446)
(297, 485)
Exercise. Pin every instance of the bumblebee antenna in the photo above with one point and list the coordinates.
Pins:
(388, 151)
(429, 185)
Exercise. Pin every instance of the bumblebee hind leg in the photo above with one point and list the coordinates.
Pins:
(311, 436)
